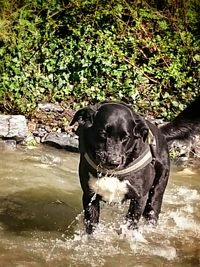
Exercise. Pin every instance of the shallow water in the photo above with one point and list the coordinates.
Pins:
(41, 218)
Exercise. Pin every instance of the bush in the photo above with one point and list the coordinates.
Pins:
(83, 51)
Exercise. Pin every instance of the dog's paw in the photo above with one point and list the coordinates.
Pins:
(90, 227)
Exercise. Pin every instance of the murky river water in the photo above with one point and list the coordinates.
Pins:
(41, 218)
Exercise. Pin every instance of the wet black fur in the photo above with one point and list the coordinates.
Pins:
(185, 125)
(114, 135)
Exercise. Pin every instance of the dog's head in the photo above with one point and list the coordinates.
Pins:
(113, 133)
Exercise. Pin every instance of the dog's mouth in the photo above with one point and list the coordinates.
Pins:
(110, 166)
(110, 163)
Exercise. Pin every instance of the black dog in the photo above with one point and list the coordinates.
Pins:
(123, 156)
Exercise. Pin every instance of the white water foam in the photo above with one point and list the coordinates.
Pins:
(181, 195)
(177, 222)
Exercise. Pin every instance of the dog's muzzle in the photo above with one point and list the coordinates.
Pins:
(142, 161)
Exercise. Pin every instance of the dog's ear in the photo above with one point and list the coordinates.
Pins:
(83, 116)
(141, 129)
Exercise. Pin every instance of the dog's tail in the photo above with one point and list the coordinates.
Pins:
(185, 125)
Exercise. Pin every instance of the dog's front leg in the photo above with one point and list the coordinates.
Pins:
(135, 211)
(91, 212)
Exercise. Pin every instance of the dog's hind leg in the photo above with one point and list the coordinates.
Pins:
(154, 201)
(91, 212)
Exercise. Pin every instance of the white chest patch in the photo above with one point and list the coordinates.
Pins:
(109, 188)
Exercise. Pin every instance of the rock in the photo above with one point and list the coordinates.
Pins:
(13, 127)
(49, 107)
(62, 140)
(37, 139)
(183, 151)
(181, 147)
(40, 132)
(30, 141)
(8, 145)
(51, 159)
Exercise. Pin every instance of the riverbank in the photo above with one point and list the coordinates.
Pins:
(50, 126)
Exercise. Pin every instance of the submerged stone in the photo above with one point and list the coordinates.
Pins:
(62, 140)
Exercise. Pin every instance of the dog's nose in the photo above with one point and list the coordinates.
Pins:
(114, 162)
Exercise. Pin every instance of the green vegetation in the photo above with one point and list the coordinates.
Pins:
(82, 51)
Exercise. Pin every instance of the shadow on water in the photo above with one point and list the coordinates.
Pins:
(41, 218)
(37, 190)
(30, 209)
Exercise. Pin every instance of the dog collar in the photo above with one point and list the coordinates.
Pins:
(142, 161)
